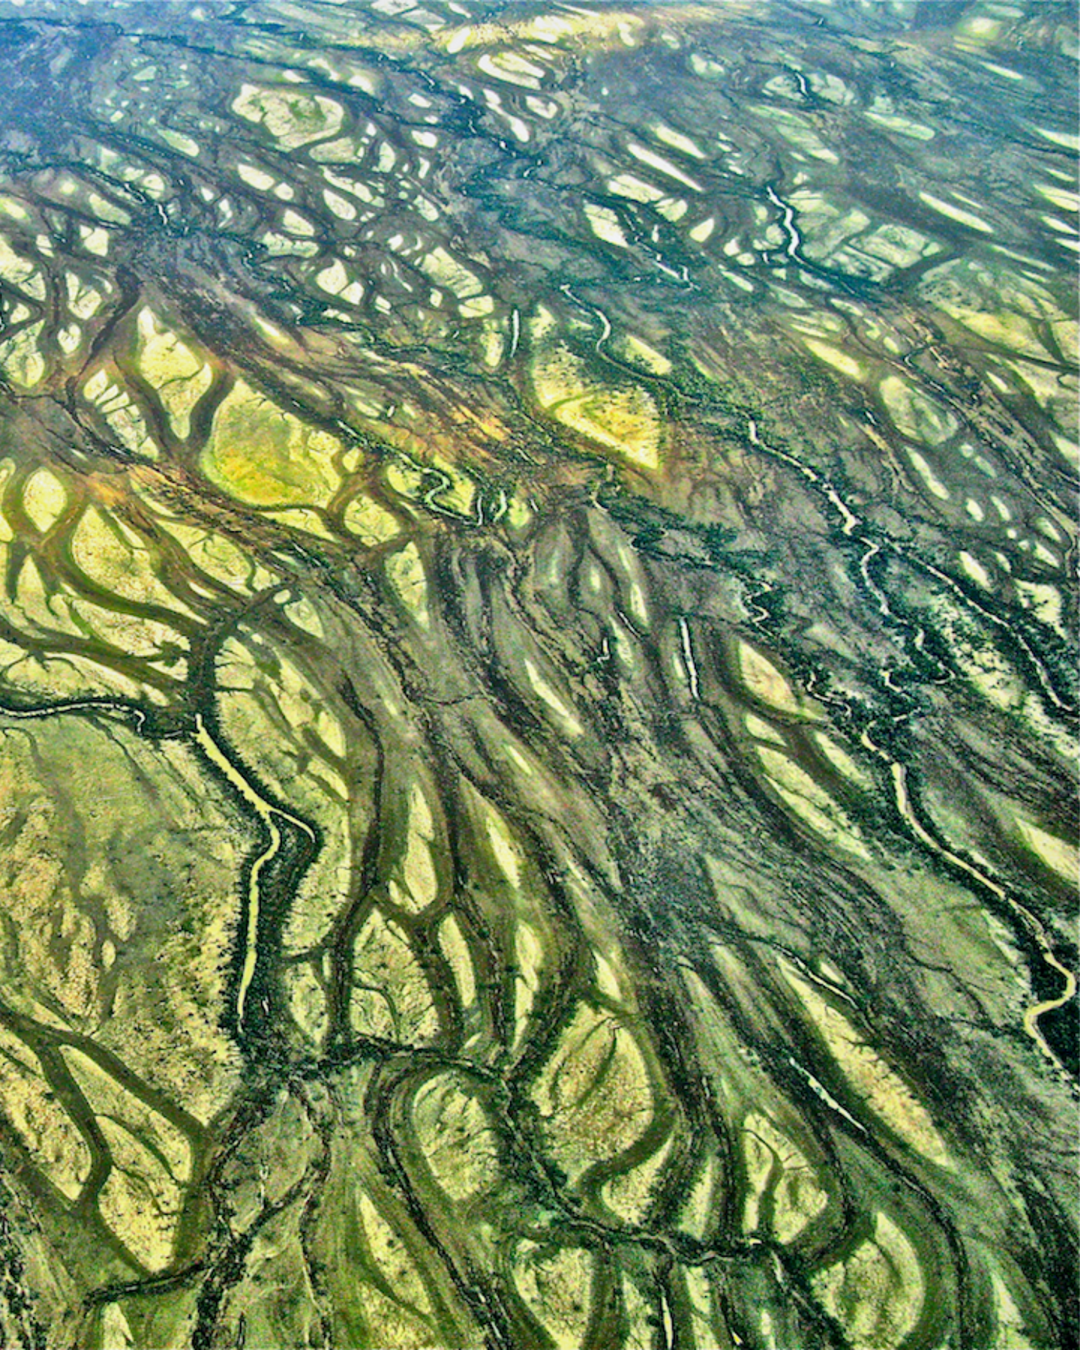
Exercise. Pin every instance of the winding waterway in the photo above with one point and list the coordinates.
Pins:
(537, 675)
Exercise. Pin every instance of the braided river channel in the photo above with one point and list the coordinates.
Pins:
(538, 692)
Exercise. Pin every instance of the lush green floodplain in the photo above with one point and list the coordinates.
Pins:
(537, 675)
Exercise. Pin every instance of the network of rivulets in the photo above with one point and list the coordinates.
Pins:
(446, 903)
(518, 1012)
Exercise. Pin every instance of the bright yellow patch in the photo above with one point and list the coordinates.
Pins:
(263, 455)
(624, 421)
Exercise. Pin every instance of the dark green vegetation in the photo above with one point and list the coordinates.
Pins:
(537, 786)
